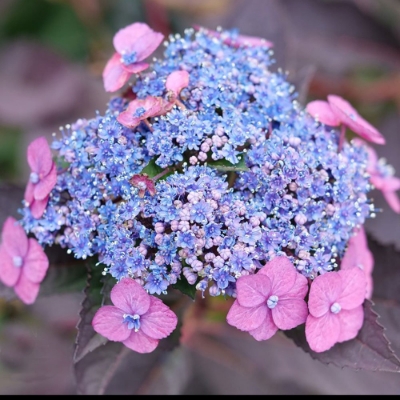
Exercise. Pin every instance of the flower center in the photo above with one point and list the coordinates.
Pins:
(133, 321)
(335, 308)
(17, 261)
(272, 301)
(34, 177)
(139, 112)
(129, 58)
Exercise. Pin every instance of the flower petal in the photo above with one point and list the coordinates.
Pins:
(282, 274)
(159, 321)
(38, 207)
(289, 313)
(26, 290)
(9, 273)
(176, 81)
(15, 240)
(393, 200)
(324, 291)
(350, 117)
(136, 67)
(28, 196)
(46, 184)
(323, 332)
(253, 290)
(140, 342)
(353, 288)
(125, 38)
(147, 44)
(266, 330)
(351, 322)
(39, 156)
(322, 112)
(109, 322)
(114, 75)
(246, 318)
(36, 262)
(130, 297)
(299, 289)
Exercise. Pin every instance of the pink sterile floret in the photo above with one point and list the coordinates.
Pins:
(335, 305)
(43, 176)
(140, 109)
(143, 183)
(176, 82)
(322, 111)
(23, 263)
(350, 117)
(359, 255)
(270, 300)
(133, 44)
(136, 319)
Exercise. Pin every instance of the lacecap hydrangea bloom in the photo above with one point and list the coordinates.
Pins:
(205, 172)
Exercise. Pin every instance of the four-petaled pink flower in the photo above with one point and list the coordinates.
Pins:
(359, 255)
(143, 183)
(133, 44)
(23, 263)
(335, 304)
(270, 300)
(176, 82)
(140, 109)
(136, 319)
(386, 183)
(338, 111)
(43, 176)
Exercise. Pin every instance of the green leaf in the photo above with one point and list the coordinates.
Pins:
(184, 287)
(226, 166)
(152, 169)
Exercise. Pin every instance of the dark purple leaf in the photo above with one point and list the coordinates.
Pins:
(370, 350)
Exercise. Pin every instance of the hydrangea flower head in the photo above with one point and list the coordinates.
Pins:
(43, 176)
(23, 263)
(133, 44)
(335, 305)
(136, 319)
(269, 300)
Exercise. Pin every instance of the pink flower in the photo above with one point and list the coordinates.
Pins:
(23, 263)
(270, 300)
(335, 305)
(386, 183)
(176, 82)
(359, 255)
(322, 111)
(136, 319)
(140, 109)
(43, 176)
(133, 44)
(350, 117)
(143, 183)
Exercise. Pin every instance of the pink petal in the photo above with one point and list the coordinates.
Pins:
(391, 184)
(136, 67)
(28, 196)
(9, 273)
(39, 156)
(323, 332)
(130, 297)
(26, 290)
(147, 44)
(176, 81)
(324, 291)
(159, 321)
(289, 313)
(46, 184)
(322, 112)
(393, 201)
(114, 75)
(266, 330)
(350, 117)
(246, 318)
(125, 118)
(253, 290)
(351, 322)
(353, 288)
(125, 38)
(140, 342)
(14, 238)
(109, 322)
(299, 289)
(38, 207)
(36, 262)
(282, 274)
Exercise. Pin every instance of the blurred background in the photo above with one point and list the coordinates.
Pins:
(52, 53)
